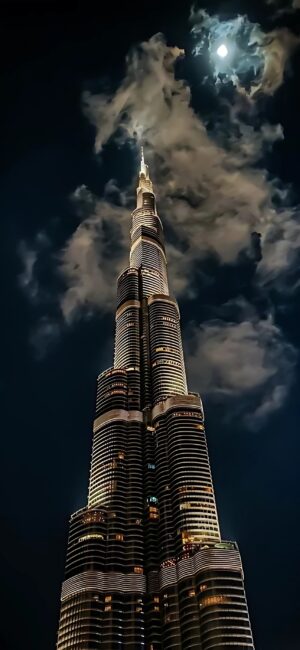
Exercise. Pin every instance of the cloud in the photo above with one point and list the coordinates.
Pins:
(212, 196)
(284, 6)
(248, 359)
(94, 255)
(47, 329)
(257, 60)
(30, 255)
(277, 48)
(27, 278)
(44, 336)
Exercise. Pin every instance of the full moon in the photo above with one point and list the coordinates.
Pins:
(222, 51)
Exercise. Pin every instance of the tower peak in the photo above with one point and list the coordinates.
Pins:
(143, 166)
(144, 181)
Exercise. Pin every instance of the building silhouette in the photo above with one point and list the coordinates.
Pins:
(146, 567)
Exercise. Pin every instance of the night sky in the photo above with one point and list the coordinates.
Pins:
(66, 191)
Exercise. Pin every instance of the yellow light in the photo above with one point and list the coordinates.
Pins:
(138, 569)
(90, 536)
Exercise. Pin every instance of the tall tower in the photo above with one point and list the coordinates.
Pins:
(146, 568)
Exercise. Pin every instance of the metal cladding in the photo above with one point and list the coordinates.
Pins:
(146, 568)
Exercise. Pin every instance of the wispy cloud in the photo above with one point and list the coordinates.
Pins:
(284, 6)
(246, 362)
(27, 278)
(256, 61)
(212, 196)
(45, 336)
(94, 255)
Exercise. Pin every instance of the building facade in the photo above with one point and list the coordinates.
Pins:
(146, 567)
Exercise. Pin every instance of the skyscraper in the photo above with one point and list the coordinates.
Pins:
(146, 567)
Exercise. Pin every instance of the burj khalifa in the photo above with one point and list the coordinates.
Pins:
(146, 566)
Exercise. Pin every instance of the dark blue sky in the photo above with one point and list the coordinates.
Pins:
(52, 53)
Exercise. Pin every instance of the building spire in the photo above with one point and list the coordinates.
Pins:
(143, 168)
(144, 181)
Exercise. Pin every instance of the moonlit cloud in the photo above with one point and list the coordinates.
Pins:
(30, 254)
(44, 337)
(257, 60)
(93, 257)
(284, 6)
(27, 277)
(247, 363)
(212, 198)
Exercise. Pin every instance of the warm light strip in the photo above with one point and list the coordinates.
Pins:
(160, 297)
(117, 414)
(130, 304)
(103, 582)
(211, 559)
(192, 401)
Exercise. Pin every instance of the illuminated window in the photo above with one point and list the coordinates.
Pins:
(92, 517)
(203, 587)
(90, 536)
(138, 609)
(185, 506)
(115, 392)
(166, 362)
(151, 466)
(192, 593)
(156, 599)
(107, 599)
(153, 509)
(153, 515)
(138, 569)
(156, 608)
(119, 537)
(152, 499)
(107, 608)
(121, 455)
(214, 600)
(184, 414)
(187, 538)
